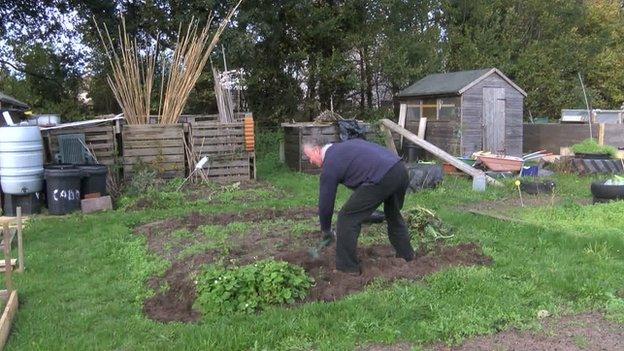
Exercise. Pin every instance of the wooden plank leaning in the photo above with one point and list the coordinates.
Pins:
(479, 178)
(389, 140)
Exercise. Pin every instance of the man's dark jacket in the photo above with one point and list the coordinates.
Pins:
(354, 162)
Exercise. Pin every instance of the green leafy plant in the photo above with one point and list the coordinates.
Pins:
(591, 146)
(427, 225)
(142, 181)
(250, 288)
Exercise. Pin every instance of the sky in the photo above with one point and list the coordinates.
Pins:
(67, 38)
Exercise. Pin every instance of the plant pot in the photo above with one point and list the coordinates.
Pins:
(545, 187)
(448, 168)
(529, 171)
(467, 160)
(604, 193)
(592, 156)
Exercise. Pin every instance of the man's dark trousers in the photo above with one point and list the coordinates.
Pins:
(365, 199)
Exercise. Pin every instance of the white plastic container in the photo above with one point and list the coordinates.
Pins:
(21, 160)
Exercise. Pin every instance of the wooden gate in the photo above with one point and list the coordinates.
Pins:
(494, 120)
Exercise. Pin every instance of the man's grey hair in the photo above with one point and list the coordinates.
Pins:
(314, 143)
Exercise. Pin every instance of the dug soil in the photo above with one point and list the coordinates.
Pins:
(588, 331)
(175, 300)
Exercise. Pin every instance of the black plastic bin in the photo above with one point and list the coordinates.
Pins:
(62, 188)
(424, 176)
(411, 152)
(94, 179)
(30, 204)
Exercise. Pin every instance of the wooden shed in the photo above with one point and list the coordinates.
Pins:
(466, 111)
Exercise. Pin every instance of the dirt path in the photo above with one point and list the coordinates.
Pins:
(587, 331)
(510, 203)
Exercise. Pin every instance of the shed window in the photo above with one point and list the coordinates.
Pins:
(447, 113)
(430, 102)
(448, 108)
(413, 113)
(442, 109)
(429, 112)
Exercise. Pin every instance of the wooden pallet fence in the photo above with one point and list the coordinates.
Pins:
(100, 139)
(224, 144)
(15, 227)
(159, 147)
(229, 168)
(238, 116)
(214, 138)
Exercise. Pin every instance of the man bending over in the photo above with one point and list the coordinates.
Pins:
(377, 176)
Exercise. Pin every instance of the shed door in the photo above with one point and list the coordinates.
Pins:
(494, 120)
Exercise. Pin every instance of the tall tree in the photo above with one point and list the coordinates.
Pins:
(542, 45)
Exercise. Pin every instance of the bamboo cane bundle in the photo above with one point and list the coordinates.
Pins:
(133, 74)
(134, 70)
(192, 51)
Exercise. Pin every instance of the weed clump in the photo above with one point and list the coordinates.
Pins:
(250, 288)
(428, 226)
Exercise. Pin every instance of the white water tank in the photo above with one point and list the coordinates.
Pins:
(21, 160)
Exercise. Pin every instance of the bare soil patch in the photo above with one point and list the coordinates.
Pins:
(159, 233)
(175, 301)
(379, 261)
(588, 331)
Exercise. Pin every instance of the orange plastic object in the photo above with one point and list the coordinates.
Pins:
(248, 127)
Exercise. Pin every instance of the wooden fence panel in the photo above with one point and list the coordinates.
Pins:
(224, 145)
(100, 140)
(553, 136)
(157, 146)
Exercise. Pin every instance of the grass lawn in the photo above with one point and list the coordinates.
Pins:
(85, 279)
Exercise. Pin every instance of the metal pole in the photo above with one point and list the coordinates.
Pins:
(589, 117)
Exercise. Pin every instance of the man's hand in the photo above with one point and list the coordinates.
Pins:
(329, 236)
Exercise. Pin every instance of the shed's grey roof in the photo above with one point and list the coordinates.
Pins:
(443, 83)
(5, 99)
(453, 83)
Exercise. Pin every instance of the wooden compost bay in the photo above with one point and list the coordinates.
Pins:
(159, 147)
(230, 153)
(171, 150)
(296, 135)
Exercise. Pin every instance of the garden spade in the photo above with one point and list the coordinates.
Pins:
(315, 251)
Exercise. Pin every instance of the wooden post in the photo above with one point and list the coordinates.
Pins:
(422, 126)
(389, 140)
(117, 128)
(402, 118)
(8, 268)
(20, 243)
(601, 133)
